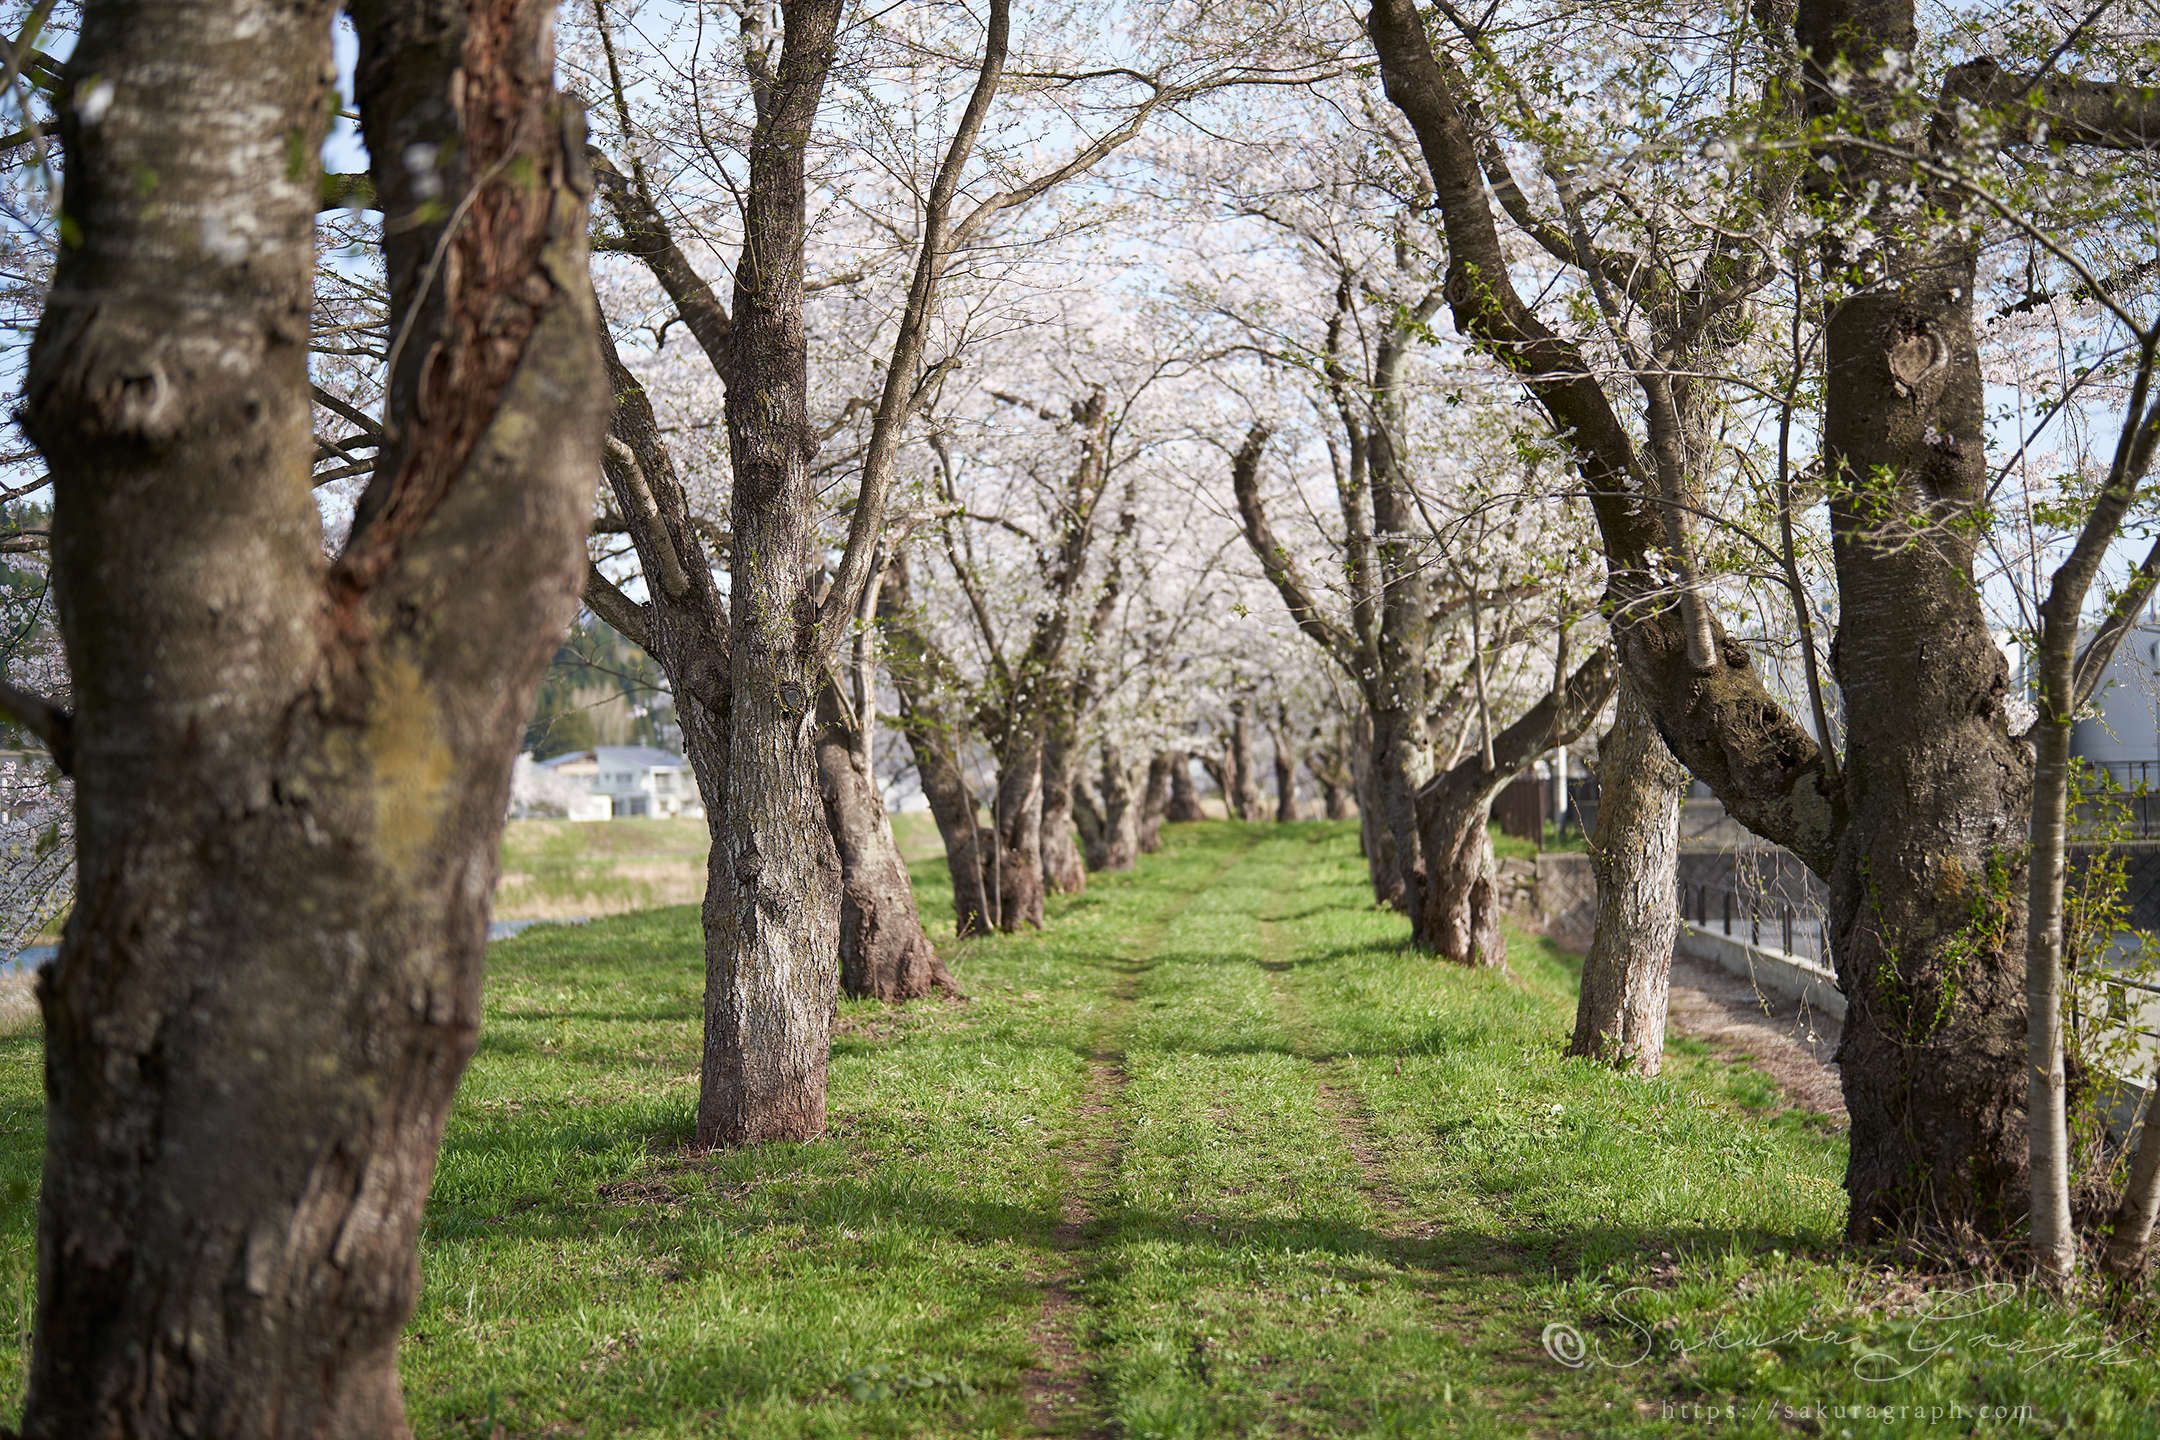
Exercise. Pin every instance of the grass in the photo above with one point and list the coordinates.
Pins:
(1513, 847)
(1217, 1148)
(561, 870)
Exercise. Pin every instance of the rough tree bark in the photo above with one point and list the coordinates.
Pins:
(1462, 908)
(1121, 813)
(1920, 840)
(1286, 806)
(772, 908)
(1063, 872)
(1402, 749)
(1635, 855)
(884, 954)
(290, 773)
(776, 939)
(1016, 869)
(1155, 799)
(1184, 795)
(918, 670)
(683, 626)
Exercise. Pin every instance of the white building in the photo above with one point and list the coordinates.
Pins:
(636, 779)
(2123, 734)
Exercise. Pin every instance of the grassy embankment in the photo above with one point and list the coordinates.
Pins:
(1213, 1155)
(560, 870)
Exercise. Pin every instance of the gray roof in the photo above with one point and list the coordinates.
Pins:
(633, 757)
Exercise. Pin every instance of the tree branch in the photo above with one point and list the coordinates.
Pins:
(605, 600)
(902, 394)
(53, 726)
(646, 235)
(1275, 560)
(2100, 113)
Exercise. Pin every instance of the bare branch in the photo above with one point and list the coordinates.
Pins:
(617, 609)
(903, 393)
(53, 726)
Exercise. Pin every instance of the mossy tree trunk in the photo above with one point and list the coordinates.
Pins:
(291, 772)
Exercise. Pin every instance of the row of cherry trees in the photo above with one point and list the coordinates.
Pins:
(1081, 404)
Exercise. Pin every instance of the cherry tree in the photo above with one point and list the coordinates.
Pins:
(290, 767)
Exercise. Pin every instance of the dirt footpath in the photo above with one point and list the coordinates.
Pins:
(1789, 1042)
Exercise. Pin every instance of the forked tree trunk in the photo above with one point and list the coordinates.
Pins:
(1121, 812)
(1635, 855)
(290, 774)
(1222, 770)
(1063, 873)
(1184, 795)
(1921, 839)
(1461, 919)
(884, 954)
(1155, 800)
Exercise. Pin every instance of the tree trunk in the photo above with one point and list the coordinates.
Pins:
(1251, 802)
(1461, 918)
(1395, 765)
(1088, 819)
(1016, 862)
(1286, 807)
(772, 968)
(1063, 874)
(1121, 812)
(916, 667)
(958, 817)
(1335, 800)
(1921, 839)
(1155, 800)
(290, 775)
(1635, 855)
(1184, 795)
(2130, 1230)
(2051, 1229)
(1375, 842)
(884, 954)
(1928, 886)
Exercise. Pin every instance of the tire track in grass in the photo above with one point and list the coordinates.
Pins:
(1458, 1274)
(1246, 1287)
(1278, 958)
(1063, 1392)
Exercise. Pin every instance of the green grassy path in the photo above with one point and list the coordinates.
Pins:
(1214, 1154)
